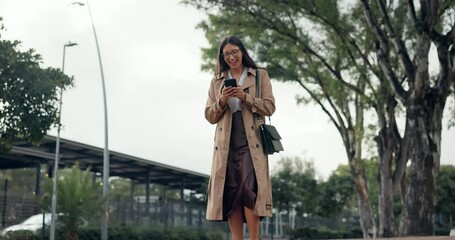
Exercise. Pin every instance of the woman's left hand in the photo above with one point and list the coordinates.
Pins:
(240, 94)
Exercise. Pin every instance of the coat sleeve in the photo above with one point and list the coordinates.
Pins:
(213, 110)
(265, 103)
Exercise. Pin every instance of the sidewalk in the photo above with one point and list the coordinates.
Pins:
(417, 238)
(398, 238)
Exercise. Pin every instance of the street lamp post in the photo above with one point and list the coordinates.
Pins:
(105, 218)
(57, 149)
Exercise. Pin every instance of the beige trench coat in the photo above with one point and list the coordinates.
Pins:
(262, 106)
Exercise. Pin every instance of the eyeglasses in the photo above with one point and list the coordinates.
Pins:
(231, 53)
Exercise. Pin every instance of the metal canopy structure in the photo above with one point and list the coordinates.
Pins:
(139, 170)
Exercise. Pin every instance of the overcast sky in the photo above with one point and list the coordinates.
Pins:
(156, 92)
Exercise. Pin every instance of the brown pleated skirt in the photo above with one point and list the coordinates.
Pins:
(240, 188)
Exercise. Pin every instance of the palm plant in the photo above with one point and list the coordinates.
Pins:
(79, 200)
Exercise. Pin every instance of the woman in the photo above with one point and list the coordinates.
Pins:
(239, 189)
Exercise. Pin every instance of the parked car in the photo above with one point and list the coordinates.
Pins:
(33, 223)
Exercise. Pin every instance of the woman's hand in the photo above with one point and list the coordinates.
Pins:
(240, 94)
(229, 92)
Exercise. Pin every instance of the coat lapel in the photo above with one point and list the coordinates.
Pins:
(250, 80)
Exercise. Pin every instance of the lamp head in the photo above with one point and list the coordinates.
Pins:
(78, 3)
(70, 44)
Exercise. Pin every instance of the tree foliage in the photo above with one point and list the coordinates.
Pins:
(28, 94)
(337, 194)
(445, 203)
(351, 57)
(311, 44)
(79, 199)
(21, 182)
(294, 186)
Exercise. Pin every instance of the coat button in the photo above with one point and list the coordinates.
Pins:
(257, 145)
(216, 148)
(221, 129)
(252, 127)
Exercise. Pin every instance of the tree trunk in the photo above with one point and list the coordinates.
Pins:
(385, 208)
(366, 217)
(424, 122)
(352, 135)
(387, 140)
(353, 145)
(385, 198)
(71, 234)
(424, 112)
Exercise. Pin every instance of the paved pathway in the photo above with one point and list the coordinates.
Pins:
(397, 238)
(419, 238)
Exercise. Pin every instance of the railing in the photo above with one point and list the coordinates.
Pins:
(170, 213)
(16, 209)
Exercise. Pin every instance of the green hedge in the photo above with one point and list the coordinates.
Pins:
(442, 231)
(313, 233)
(128, 233)
(20, 235)
(150, 233)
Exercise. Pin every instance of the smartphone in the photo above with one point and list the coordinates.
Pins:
(231, 82)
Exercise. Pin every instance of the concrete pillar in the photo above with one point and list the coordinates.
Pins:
(132, 200)
(147, 194)
(38, 180)
(5, 202)
(37, 186)
(182, 201)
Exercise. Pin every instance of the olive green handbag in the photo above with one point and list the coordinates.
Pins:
(271, 139)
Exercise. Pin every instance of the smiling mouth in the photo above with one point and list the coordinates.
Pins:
(233, 62)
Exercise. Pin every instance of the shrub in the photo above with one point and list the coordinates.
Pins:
(128, 233)
(20, 235)
(313, 233)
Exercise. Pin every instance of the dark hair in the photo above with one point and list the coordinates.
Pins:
(221, 65)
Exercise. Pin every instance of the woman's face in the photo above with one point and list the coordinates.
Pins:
(232, 56)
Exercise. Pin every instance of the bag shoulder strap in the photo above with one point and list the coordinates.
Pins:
(257, 82)
(257, 88)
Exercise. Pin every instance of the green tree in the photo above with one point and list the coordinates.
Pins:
(294, 185)
(28, 94)
(330, 69)
(79, 200)
(422, 94)
(445, 200)
(361, 54)
(120, 187)
(21, 181)
(19, 186)
(198, 195)
(337, 197)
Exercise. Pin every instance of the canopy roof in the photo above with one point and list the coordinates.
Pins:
(137, 169)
